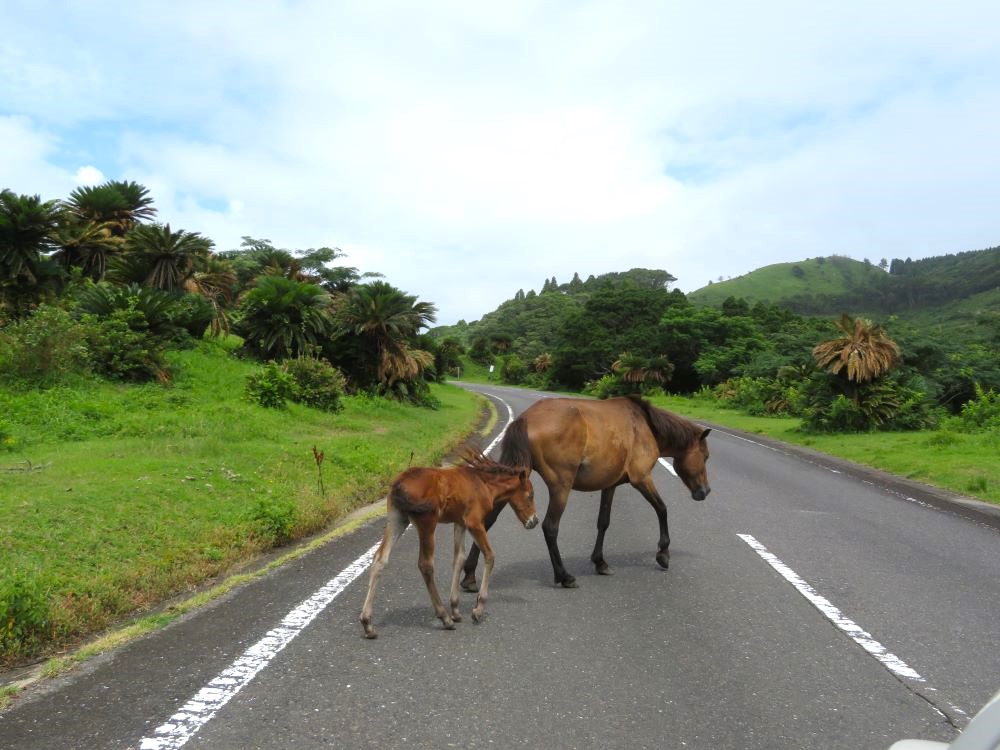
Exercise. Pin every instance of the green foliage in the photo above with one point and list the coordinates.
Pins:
(981, 413)
(24, 614)
(43, 349)
(513, 369)
(121, 348)
(282, 318)
(270, 386)
(272, 519)
(316, 383)
(895, 402)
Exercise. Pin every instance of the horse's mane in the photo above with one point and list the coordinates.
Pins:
(475, 459)
(670, 428)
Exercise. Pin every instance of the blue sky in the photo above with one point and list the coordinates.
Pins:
(468, 150)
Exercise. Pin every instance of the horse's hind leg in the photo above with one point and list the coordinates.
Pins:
(456, 571)
(648, 491)
(603, 521)
(395, 525)
(469, 581)
(425, 525)
(479, 534)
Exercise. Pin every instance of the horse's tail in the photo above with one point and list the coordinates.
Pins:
(404, 502)
(515, 449)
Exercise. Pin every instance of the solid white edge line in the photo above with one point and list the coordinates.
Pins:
(864, 639)
(198, 711)
(667, 465)
(194, 714)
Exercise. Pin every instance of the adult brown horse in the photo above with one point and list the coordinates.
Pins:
(577, 444)
(463, 495)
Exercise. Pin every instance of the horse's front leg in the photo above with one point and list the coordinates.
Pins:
(550, 529)
(648, 490)
(456, 571)
(603, 521)
(425, 525)
(469, 581)
(479, 534)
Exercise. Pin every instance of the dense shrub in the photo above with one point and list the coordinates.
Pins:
(316, 383)
(270, 386)
(272, 520)
(44, 348)
(611, 385)
(894, 402)
(980, 413)
(122, 349)
(513, 369)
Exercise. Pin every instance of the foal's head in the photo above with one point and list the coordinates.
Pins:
(522, 500)
(690, 466)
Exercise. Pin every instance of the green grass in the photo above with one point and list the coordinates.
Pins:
(968, 464)
(117, 497)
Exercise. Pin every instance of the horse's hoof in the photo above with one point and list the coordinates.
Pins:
(371, 634)
(449, 624)
(456, 616)
(470, 585)
(663, 560)
(569, 582)
(603, 569)
(477, 615)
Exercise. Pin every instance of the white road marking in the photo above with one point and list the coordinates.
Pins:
(668, 466)
(194, 714)
(890, 661)
(199, 710)
(864, 639)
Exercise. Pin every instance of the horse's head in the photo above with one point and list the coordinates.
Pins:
(690, 467)
(522, 500)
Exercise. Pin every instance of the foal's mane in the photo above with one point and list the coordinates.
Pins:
(475, 459)
(674, 430)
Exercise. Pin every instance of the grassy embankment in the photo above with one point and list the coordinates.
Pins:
(116, 497)
(968, 464)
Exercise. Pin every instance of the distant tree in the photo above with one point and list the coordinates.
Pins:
(519, 295)
(576, 284)
(165, 259)
(281, 318)
(122, 205)
(883, 264)
(798, 272)
(26, 225)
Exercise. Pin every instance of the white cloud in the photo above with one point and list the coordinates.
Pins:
(89, 175)
(468, 150)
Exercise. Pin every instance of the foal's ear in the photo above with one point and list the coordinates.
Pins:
(705, 433)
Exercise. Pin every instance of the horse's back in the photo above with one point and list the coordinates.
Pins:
(593, 444)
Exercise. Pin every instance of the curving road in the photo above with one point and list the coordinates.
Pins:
(808, 605)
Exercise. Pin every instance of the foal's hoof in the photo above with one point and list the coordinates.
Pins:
(569, 582)
(456, 616)
(371, 634)
(663, 559)
(448, 623)
(470, 585)
(603, 569)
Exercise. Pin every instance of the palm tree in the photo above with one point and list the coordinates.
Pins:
(386, 318)
(26, 226)
(122, 204)
(215, 280)
(86, 245)
(863, 351)
(281, 318)
(543, 362)
(167, 260)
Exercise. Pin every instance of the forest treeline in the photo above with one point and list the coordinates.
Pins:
(629, 331)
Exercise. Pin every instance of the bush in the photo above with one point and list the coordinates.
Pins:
(611, 385)
(43, 349)
(270, 386)
(272, 520)
(981, 413)
(316, 383)
(121, 348)
(893, 402)
(513, 369)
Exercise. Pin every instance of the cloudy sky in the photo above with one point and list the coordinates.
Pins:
(467, 150)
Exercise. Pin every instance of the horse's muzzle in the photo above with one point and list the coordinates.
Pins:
(701, 493)
(531, 522)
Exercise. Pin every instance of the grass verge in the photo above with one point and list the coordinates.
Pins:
(118, 497)
(967, 464)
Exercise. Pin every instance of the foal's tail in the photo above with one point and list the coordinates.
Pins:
(515, 450)
(402, 501)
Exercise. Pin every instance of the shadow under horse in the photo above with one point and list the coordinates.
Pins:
(578, 444)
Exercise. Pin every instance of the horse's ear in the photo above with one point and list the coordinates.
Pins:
(705, 433)
(522, 475)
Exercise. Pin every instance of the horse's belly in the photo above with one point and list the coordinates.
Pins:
(590, 478)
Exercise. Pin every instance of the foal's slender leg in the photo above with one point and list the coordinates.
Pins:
(395, 524)
(550, 529)
(425, 525)
(649, 491)
(469, 582)
(479, 534)
(603, 521)
(456, 571)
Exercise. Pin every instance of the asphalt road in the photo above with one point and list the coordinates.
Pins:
(720, 651)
